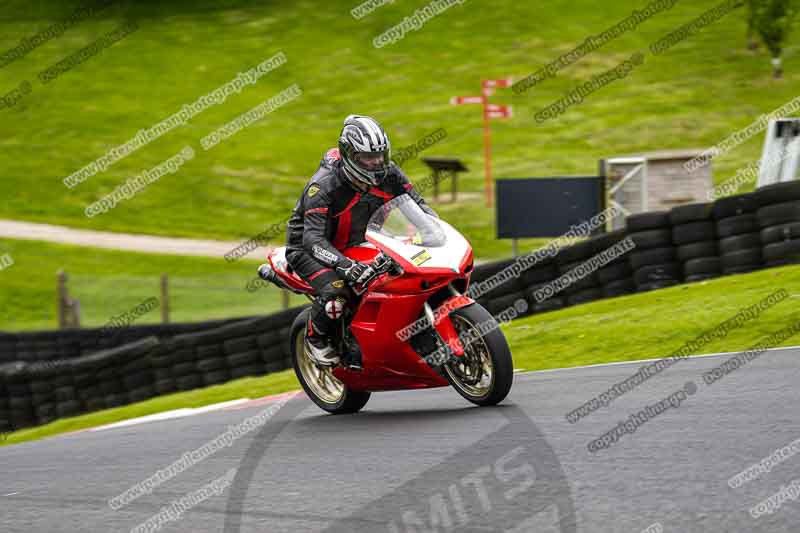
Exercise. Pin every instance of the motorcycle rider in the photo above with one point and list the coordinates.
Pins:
(351, 183)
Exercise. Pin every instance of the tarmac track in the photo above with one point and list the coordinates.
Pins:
(429, 461)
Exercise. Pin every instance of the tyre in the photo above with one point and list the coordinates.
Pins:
(744, 269)
(658, 273)
(781, 232)
(584, 296)
(243, 359)
(165, 386)
(741, 259)
(615, 272)
(697, 249)
(776, 214)
(576, 253)
(215, 377)
(701, 277)
(485, 373)
(268, 339)
(69, 408)
(648, 221)
(778, 193)
(65, 394)
(209, 365)
(116, 400)
(581, 280)
(95, 404)
(744, 241)
(683, 214)
(703, 266)
(783, 253)
(693, 232)
(134, 381)
(320, 384)
(551, 304)
(278, 366)
(737, 225)
(141, 394)
(497, 305)
(254, 369)
(162, 373)
(652, 239)
(653, 256)
(538, 274)
(212, 351)
(656, 285)
(619, 288)
(242, 344)
(192, 381)
(732, 206)
(182, 369)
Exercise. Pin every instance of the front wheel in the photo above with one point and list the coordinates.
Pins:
(484, 374)
(320, 384)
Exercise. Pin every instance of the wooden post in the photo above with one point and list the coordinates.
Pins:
(453, 187)
(436, 185)
(164, 299)
(75, 312)
(62, 297)
(285, 298)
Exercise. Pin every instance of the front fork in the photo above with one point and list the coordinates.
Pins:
(442, 324)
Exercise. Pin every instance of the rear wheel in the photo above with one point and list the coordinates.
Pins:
(319, 383)
(484, 374)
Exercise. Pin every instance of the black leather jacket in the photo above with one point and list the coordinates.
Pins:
(332, 215)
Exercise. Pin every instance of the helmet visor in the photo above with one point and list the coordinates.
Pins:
(372, 162)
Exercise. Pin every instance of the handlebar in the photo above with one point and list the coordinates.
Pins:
(380, 265)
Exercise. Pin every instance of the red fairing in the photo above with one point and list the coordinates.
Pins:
(392, 303)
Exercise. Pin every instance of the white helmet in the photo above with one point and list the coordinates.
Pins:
(365, 150)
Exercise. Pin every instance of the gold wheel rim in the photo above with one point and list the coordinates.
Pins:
(320, 380)
(477, 360)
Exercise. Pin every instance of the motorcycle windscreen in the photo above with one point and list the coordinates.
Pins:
(402, 227)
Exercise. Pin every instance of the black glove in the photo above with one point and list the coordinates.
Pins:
(355, 273)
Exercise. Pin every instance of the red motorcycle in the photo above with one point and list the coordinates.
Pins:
(412, 326)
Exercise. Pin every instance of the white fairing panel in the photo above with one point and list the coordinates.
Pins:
(448, 256)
